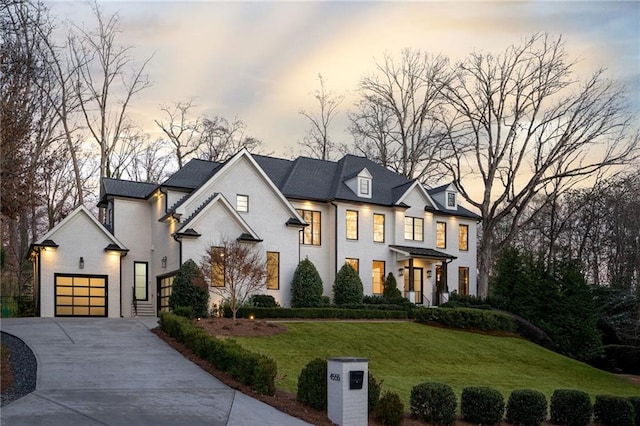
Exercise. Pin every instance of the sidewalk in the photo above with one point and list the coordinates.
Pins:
(116, 372)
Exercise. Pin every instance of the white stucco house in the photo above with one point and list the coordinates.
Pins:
(351, 210)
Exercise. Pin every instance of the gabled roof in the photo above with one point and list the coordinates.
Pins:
(47, 241)
(188, 229)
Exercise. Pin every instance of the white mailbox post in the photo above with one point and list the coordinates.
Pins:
(347, 390)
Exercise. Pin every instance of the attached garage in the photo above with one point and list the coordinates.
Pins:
(81, 295)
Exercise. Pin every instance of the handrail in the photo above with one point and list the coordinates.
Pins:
(135, 301)
(425, 301)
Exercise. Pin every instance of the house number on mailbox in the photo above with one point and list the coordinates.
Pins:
(334, 377)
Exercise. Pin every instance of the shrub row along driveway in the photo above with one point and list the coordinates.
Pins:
(115, 372)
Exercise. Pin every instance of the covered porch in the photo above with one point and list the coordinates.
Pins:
(422, 274)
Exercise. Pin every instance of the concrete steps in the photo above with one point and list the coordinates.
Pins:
(145, 309)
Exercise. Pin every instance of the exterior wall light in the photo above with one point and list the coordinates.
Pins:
(81, 264)
(429, 273)
(164, 261)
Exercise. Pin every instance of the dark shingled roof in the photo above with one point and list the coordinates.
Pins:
(193, 174)
(458, 211)
(127, 188)
(308, 178)
(423, 252)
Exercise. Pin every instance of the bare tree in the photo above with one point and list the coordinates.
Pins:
(152, 163)
(234, 270)
(105, 85)
(398, 119)
(522, 124)
(317, 143)
(183, 133)
(221, 139)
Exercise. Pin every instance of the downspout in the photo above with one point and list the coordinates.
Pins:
(39, 278)
(335, 249)
(120, 282)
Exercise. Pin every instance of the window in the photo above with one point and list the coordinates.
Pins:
(242, 203)
(463, 280)
(463, 237)
(441, 234)
(310, 235)
(365, 186)
(451, 200)
(217, 267)
(273, 270)
(352, 225)
(377, 277)
(413, 228)
(378, 228)
(140, 280)
(354, 263)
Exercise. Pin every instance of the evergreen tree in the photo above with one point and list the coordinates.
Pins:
(348, 286)
(190, 290)
(306, 287)
(390, 290)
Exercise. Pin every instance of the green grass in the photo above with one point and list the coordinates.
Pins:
(404, 354)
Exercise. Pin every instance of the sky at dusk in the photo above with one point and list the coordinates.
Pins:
(259, 61)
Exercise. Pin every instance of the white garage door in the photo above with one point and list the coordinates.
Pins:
(81, 295)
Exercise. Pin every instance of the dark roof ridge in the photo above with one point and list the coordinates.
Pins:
(294, 165)
(338, 177)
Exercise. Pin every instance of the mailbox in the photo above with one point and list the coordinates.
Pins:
(356, 379)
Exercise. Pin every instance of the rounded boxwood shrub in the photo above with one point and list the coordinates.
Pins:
(306, 287)
(389, 410)
(347, 287)
(374, 389)
(433, 402)
(570, 407)
(613, 411)
(312, 384)
(526, 407)
(482, 405)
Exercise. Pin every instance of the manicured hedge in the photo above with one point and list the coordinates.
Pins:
(635, 401)
(255, 370)
(526, 407)
(323, 313)
(570, 407)
(466, 318)
(390, 410)
(482, 405)
(613, 411)
(433, 402)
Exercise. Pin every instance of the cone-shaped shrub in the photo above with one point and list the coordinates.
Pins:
(390, 290)
(189, 290)
(347, 287)
(306, 287)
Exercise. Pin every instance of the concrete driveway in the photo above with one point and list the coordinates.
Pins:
(116, 372)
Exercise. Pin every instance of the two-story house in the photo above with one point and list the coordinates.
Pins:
(352, 210)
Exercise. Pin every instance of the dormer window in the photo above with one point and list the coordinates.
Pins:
(451, 200)
(365, 187)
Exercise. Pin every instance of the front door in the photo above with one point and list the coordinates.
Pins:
(417, 284)
(165, 285)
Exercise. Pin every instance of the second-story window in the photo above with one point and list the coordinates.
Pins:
(441, 234)
(218, 267)
(242, 203)
(414, 228)
(310, 235)
(463, 238)
(352, 225)
(378, 228)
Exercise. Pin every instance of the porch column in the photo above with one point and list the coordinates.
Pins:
(411, 277)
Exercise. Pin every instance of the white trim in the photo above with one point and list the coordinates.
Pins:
(422, 190)
(80, 209)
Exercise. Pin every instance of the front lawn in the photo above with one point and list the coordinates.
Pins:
(404, 354)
